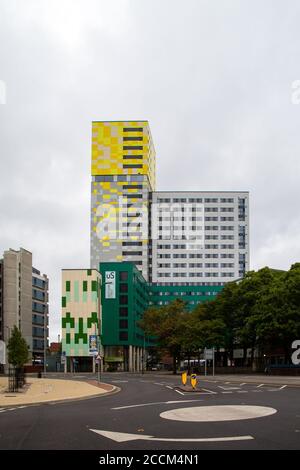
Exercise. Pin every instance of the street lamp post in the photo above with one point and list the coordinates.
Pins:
(143, 356)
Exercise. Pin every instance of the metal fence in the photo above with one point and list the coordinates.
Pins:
(16, 378)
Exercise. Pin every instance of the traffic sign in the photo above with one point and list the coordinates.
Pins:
(209, 354)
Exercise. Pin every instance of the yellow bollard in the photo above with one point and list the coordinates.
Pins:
(184, 378)
(193, 381)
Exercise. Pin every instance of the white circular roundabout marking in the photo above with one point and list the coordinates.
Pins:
(218, 413)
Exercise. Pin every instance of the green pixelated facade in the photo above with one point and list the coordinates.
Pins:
(81, 312)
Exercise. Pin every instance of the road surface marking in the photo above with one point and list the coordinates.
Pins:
(210, 391)
(125, 437)
(242, 391)
(181, 393)
(168, 386)
(154, 403)
(226, 392)
(244, 383)
(283, 386)
(157, 383)
(261, 385)
(229, 388)
(119, 381)
(256, 391)
(217, 413)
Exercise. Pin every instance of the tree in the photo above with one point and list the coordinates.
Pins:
(17, 349)
(167, 324)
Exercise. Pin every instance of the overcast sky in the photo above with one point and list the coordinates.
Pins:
(214, 79)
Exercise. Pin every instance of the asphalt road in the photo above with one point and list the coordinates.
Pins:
(259, 417)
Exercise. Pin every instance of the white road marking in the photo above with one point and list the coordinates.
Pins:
(244, 383)
(154, 403)
(168, 386)
(178, 391)
(125, 437)
(217, 413)
(119, 381)
(210, 391)
(3, 411)
(157, 383)
(261, 385)
(226, 392)
(242, 391)
(283, 386)
(228, 388)
(256, 391)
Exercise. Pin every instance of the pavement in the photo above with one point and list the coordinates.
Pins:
(50, 389)
(151, 412)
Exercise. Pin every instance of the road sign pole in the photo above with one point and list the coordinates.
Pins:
(205, 366)
(213, 361)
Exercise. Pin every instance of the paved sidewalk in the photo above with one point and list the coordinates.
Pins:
(47, 390)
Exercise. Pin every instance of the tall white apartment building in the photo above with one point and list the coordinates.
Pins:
(199, 237)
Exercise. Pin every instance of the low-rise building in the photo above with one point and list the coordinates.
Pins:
(81, 319)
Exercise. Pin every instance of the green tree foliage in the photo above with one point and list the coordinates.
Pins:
(259, 312)
(167, 325)
(17, 349)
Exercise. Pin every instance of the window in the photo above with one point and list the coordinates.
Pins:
(102, 178)
(132, 243)
(132, 165)
(132, 129)
(123, 299)
(123, 323)
(123, 276)
(132, 253)
(132, 138)
(130, 157)
(229, 199)
(132, 147)
(123, 311)
(133, 186)
(209, 200)
(123, 336)
(123, 287)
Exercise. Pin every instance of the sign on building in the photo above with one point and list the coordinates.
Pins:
(93, 345)
(110, 284)
(2, 353)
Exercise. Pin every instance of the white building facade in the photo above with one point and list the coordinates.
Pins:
(199, 237)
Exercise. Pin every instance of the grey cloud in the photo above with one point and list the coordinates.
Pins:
(214, 80)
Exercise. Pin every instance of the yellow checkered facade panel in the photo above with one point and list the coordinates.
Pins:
(123, 148)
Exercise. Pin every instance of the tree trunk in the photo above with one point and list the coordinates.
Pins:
(174, 364)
